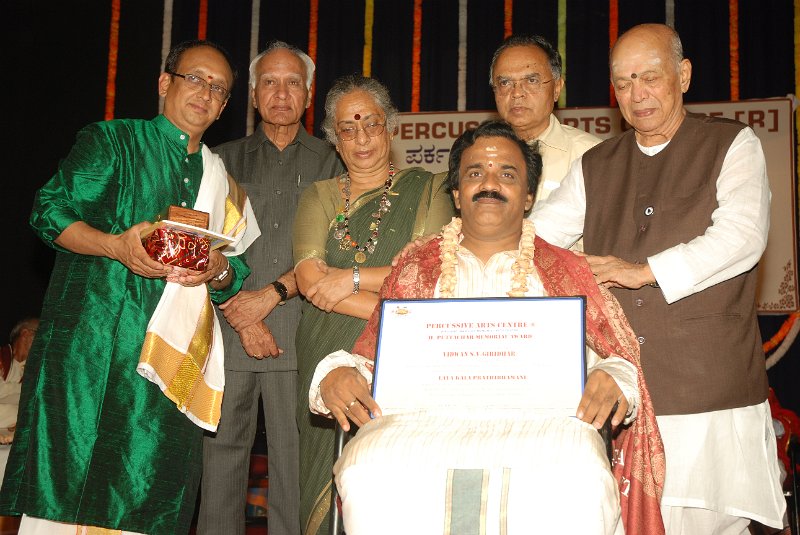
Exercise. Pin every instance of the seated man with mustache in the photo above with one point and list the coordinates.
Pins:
(528, 467)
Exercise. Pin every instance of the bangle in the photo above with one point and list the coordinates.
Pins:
(224, 273)
(356, 279)
(283, 292)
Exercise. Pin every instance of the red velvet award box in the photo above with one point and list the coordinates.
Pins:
(183, 239)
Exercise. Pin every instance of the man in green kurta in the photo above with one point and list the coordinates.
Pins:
(97, 444)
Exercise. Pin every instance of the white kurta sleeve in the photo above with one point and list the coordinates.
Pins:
(559, 219)
(738, 234)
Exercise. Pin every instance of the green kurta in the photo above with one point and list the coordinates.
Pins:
(97, 444)
(420, 205)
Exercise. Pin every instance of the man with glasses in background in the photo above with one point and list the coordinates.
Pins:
(526, 78)
(97, 444)
(274, 165)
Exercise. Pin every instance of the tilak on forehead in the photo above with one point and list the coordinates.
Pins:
(491, 152)
(357, 116)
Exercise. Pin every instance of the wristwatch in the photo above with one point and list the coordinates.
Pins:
(224, 273)
(282, 291)
(356, 279)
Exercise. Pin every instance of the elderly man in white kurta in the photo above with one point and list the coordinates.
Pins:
(675, 214)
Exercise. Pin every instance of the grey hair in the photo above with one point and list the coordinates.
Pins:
(272, 46)
(355, 82)
(676, 47)
(553, 57)
(31, 324)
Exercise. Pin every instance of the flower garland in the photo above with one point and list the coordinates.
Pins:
(522, 267)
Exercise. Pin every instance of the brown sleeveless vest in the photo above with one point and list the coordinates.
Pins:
(702, 353)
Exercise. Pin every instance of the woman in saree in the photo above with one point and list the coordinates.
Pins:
(346, 231)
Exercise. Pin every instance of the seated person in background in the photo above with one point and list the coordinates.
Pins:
(14, 354)
(493, 177)
(12, 359)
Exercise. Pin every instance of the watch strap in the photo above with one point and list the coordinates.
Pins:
(282, 291)
(356, 279)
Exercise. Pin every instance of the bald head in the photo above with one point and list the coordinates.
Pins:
(667, 37)
(650, 76)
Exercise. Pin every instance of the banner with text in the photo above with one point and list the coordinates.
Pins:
(424, 140)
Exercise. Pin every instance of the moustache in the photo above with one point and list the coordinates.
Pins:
(489, 195)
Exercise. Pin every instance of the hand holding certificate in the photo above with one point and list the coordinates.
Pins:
(503, 354)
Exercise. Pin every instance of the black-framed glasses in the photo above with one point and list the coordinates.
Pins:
(529, 84)
(218, 92)
(349, 132)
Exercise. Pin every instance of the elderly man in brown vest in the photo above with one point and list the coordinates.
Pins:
(674, 214)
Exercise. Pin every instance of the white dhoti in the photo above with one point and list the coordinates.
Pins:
(461, 475)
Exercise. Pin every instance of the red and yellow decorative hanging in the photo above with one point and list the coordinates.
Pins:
(733, 37)
(113, 53)
(508, 18)
(415, 56)
(369, 18)
(613, 33)
(313, 25)
(202, 20)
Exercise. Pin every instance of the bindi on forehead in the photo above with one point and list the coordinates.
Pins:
(357, 116)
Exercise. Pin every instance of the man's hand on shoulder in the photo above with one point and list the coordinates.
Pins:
(599, 396)
(412, 246)
(613, 272)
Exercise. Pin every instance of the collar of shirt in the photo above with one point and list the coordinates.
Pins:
(174, 134)
(493, 279)
(652, 150)
(553, 136)
(257, 140)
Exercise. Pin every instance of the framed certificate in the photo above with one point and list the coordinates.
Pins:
(485, 353)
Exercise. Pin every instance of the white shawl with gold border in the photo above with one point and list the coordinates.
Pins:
(182, 351)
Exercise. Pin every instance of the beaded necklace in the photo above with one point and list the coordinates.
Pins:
(342, 232)
(522, 267)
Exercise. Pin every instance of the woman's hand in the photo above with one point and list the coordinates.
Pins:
(335, 286)
(346, 394)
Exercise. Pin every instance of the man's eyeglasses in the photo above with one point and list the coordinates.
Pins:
(218, 92)
(529, 84)
(349, 133)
